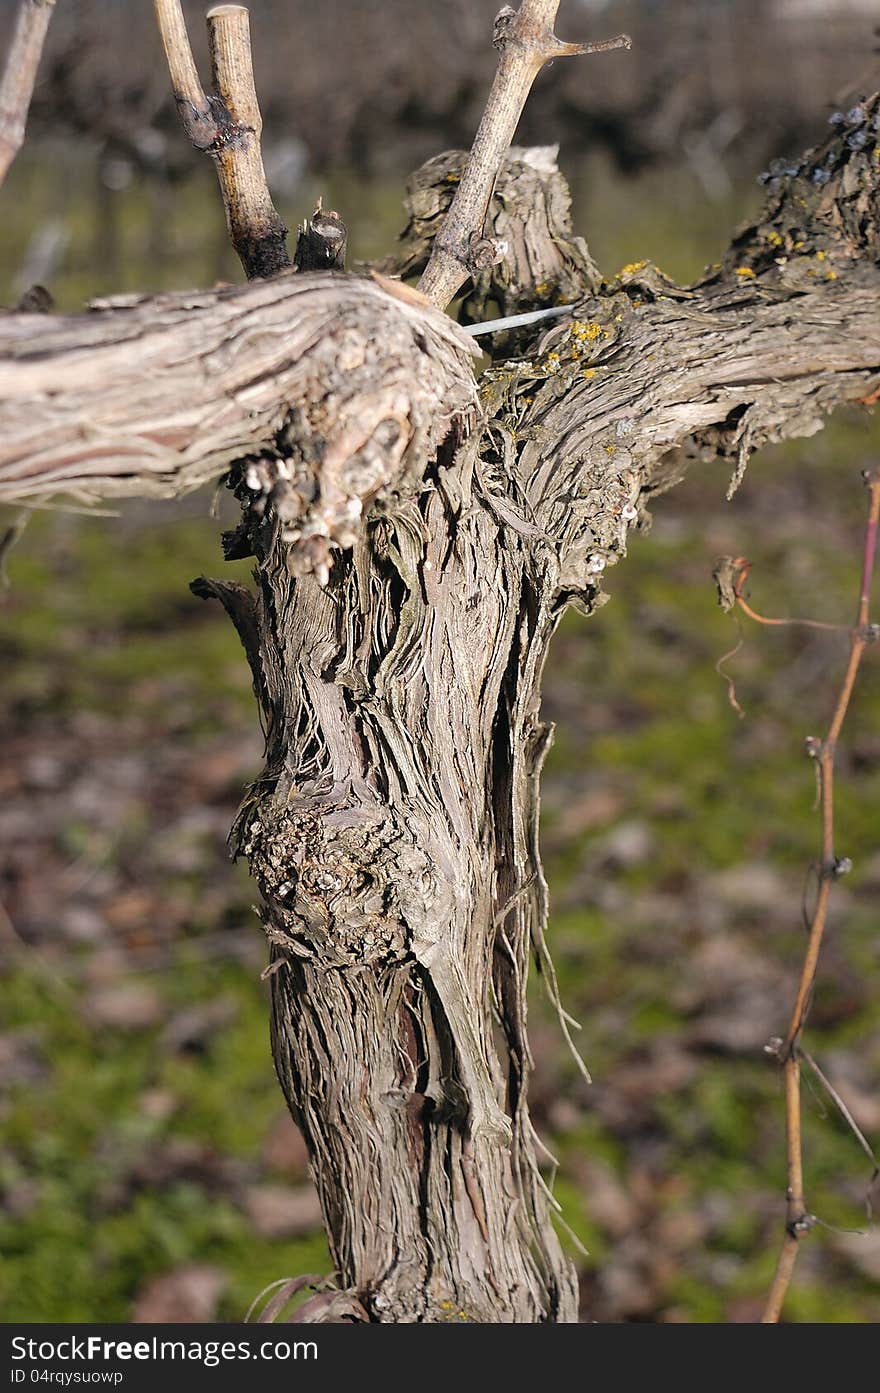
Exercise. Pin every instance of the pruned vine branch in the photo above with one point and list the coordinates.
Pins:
(19, 76)
(227, 125)
(321, 242)
(526, 41)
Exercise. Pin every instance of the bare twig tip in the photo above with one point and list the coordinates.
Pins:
(608, 45)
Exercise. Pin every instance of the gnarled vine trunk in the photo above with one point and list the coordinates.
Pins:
(393, 836)
(417, 536)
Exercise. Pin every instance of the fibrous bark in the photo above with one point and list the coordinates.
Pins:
(393, 836)
(529, 215)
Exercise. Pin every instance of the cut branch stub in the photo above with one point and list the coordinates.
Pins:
(526, 42)
(322, 241)
(544, 263)
(227, 126)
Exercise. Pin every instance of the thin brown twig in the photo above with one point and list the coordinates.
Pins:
(731, 574)
(192, 102)
(526, 41)
(743, 566)
(798, 1221)
(19, 76)
(721, 669)
(843, 1110)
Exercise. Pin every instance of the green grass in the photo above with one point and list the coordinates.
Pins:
(105, 602)
(93, 1235)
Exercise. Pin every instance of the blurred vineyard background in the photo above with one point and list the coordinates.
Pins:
(147, 1166)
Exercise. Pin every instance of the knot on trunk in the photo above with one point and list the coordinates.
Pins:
(345, 887)
(316, 486)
